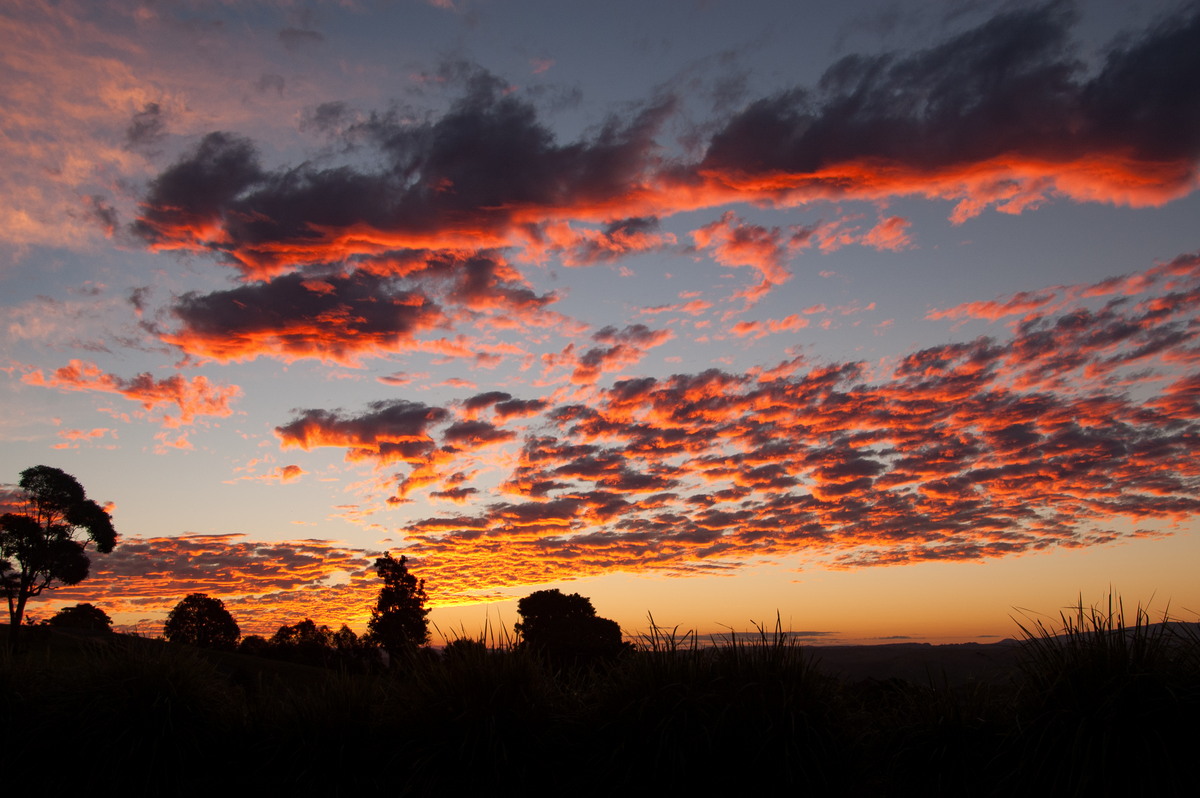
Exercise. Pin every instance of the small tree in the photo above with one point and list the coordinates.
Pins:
(566, 626)
(44, 540)
(202, 621)
(82, 616)
(398, 620)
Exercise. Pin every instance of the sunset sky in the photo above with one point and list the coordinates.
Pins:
(882, 316)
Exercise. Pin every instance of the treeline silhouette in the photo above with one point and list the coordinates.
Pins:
(1097, 706)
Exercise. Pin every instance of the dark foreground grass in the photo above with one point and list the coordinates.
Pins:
(1099, 706)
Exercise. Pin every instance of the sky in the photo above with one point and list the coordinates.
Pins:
(875, 318)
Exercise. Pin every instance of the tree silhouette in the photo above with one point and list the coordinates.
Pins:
(202, 621)
(44, 540)
(305, 633)
(398, 620)
(82, 616)
(566, 626)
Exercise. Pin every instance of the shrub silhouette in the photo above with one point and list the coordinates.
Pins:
(82, 616)
(565, 626)
(202, 621)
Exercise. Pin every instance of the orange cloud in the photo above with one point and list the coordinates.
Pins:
(264, 585)
(72, 438)
(586, 246)
(890, 234)
(192, 398)
(618, 349)
(395, 431)
(343, 320)
(761, 329)
(735, 243)
(970, 450)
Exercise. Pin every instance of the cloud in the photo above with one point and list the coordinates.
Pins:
(336, 318)
(426, 214)
(464, 181)
(73, 438)
(890, 234)
(377, 308)
(619, 349)
(991, 310)
(191, 398)
(280, 474)
(585, 247)
(735, 243)
(983, 448)
(761, 329)
(1036, 303)
(147, 128)
(999, 116)
(390, 431)
(264, 584)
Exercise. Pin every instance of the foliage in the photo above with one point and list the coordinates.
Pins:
(254, 646)
(398, 621)
(82, 616)
(736, 713)
(45, 541)
(305, 633)
(1105, 687)
(202, 621)
(307, 643)
(566, 626)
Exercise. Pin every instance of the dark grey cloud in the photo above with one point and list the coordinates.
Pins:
(1010, 86)
(147, 129)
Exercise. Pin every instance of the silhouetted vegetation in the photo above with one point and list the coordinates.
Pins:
(202, 621)
(82, 616)
(566, 627)
(42, 541)
(398, 621)
(1097, 707)
(309, 644)
(553, 710)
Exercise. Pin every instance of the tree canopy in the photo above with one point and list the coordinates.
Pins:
(202, 621)
(566, 626)
(310, 644)
(82, 616)
(398, 621)
(47, 542)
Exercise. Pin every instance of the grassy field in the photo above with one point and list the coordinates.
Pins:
(1097, 704)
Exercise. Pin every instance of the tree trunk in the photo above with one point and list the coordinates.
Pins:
(16, 612)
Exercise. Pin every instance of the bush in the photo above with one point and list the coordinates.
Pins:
(82, 616)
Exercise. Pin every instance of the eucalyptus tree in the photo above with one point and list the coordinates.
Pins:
(45, 544)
